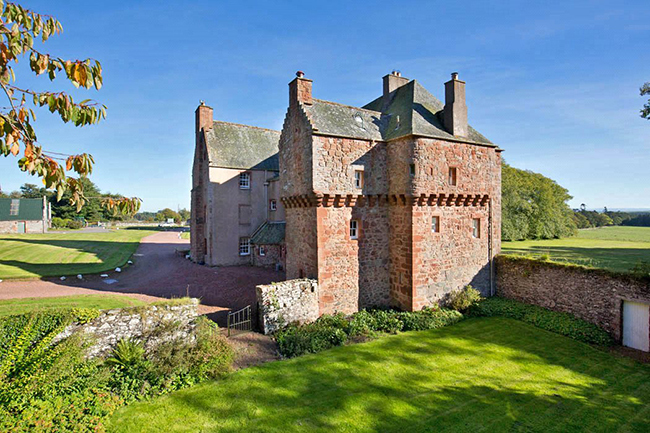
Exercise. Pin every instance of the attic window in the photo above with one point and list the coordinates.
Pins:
(244, 180)
(15, 206)
(359, 120)
(358, 179)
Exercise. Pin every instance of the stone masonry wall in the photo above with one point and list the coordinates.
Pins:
(153, 324)
(593, 295)
(273, 256)
(30, 226)
(280, 304)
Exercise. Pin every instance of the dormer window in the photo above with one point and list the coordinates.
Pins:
(244, 180)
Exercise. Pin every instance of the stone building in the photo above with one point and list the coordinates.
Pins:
(396, 203)
(25, 215)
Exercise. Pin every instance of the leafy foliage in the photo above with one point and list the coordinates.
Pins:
(335, 330)
(461, 300)
(560, 323)
(645, 111)
(533, 206)
(20, 28)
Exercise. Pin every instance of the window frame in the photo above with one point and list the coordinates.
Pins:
(273, 205)
(262, 250)
(435, 228)
(354, 229)
(14, 207)
(412, 170)
(244, 242)
(245, 180)
(452, 177)
(476, 228)
(359, 179)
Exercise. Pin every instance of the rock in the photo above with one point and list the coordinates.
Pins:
(80, 277)
(104, 275)
(62, 278)
(118, 269)
(130, 262)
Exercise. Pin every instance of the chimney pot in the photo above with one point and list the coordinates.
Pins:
(300, 74)
(454, 75)
(300, 90)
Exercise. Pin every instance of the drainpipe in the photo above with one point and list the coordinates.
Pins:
(490, 254)
(266, 196)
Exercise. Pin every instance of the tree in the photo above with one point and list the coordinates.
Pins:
(167, 213)
(645, 111)
(29, 190)
(185, 214)
(20, 28)
(534, 206)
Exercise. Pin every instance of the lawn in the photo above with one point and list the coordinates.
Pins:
(613, 248)
(486, 374)
(103, 302)
(56, 254)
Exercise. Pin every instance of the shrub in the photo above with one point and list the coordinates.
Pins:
(560, 323)
(296, 340)
(75, 224)
(58, 223)
(429, 318)
(461, 300)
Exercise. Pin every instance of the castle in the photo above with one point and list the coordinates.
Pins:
(396, 203)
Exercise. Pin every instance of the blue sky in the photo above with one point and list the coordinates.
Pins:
(553, 83)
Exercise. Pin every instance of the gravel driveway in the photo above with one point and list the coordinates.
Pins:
(159, 271)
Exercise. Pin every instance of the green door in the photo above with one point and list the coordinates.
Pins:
(21, 226)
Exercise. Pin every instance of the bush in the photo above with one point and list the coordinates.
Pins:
(560, 323)
(75, 224)
(461, 300)
(330, 331)
(59, 223)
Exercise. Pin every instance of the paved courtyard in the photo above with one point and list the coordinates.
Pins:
(160, 272)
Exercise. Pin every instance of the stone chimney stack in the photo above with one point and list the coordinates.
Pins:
(455, 111)
(393, 81)
(300, 90)
(204, 118)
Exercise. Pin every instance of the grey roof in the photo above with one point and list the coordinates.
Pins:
(241, 146)
(269, 233)
(411, 110)
(29, 209)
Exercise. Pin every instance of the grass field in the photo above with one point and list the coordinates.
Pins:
(613, 248)
(488, 374)
(102, 302)
(56, 254)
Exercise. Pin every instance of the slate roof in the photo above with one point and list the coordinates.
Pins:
(411, 110)
(29, 209)
(241, 146)
(269, 233)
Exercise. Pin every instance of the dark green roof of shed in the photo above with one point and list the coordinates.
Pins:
(270, 233)
(29, 209)
(241, 146)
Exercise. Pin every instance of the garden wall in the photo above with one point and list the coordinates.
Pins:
(593, 295)
(289, 301)
(152, 324)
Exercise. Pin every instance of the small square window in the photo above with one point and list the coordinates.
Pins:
(453, 176)
(244, 180)
(476, 228)
(273, 205)
(412, 170)
(14, 207)
(358, 179)
(262, 251)
(435, 224)
(244, 246)
(354, 229)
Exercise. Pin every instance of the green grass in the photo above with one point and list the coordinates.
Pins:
(613, 248)
(185, 235)
(56, 254)
(486, 374)
(103, 302)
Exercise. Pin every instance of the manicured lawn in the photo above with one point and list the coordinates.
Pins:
(56, 254)
(185, 235)
(613, 248)
(488, 374)
(103, 302)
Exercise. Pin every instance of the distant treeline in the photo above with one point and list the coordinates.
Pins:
(590, 218)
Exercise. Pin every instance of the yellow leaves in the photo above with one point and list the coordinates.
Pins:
(68, 163)
(29, 151)
(15, 148)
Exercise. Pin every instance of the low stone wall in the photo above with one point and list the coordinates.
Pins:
(593, 295)
(289, 301)
(152, 325)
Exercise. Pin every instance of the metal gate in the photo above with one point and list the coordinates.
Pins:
(240, 321)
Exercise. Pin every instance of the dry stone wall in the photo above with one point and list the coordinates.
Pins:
(592, 295)
(289, 301)
(150, 324)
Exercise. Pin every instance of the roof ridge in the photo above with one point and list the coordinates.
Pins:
(246, 126)
(347, 106)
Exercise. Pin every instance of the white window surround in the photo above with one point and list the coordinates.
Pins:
(262, 251)
(476, 228)
(244, 246)
(358, 179)
(244, 180)
(273, 205)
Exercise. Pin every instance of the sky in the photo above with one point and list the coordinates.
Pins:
(555, 84)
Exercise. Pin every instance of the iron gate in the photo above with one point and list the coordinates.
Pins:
(240, 320)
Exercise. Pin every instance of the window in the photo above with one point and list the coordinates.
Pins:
(273, 205)
(244, 180)
(453, 176)
(435, 224)
(15, 205)
(412, 170)
(262, 251)
(476, 228)
(358, 179)
(244, 246)
(354, 229)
